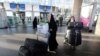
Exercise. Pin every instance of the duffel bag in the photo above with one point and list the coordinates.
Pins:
(75, 25)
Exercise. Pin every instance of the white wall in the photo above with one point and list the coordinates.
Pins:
(7, 6)
(28, 7)
(85, 11)
(36, 8)
(9, 13)
(28, 14)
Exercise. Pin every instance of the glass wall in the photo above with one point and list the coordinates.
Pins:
(28, 18)
(14, 12)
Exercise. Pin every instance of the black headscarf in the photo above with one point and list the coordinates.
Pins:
(52, 20)
(52, 23)
(35, 23)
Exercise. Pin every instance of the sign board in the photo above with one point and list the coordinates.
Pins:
(13, 5)
(45, 8)
(21, 7)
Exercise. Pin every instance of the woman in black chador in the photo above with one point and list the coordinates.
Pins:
(52, 30)
(35, 23)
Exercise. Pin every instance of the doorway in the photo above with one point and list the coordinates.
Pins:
(19, 18)
(44, 16)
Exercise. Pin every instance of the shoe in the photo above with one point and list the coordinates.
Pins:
(52, 52)
(64, 41)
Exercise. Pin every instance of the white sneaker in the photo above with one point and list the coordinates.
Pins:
(64, 41)
(52, 52)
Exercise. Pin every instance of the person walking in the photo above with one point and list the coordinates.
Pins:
(35, 23)
(52, 38)
(61, 20)
(57, 20)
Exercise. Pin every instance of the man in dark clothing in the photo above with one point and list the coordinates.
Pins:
(35, 23)
(52, 30)
(61, 20)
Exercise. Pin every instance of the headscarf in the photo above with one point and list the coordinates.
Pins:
(52, 23)
(52, 20)
(35, 22)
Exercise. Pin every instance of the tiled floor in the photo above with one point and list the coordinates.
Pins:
(12, 39)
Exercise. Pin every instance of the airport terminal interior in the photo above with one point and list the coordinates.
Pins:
(17, 24)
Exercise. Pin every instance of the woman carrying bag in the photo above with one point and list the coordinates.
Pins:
(52, 34)
(74, 32)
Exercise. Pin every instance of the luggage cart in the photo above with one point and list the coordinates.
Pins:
(73, 34)
(42, 30)
(35, 47)
(68, 39)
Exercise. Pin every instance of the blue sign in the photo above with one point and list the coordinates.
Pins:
(13, 5)
(44, 8)
(48, 7)
(22, 6)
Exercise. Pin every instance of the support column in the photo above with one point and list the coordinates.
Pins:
(32, 12)
(76, 10)
(97, 29)
(92, 16)
(3, 17)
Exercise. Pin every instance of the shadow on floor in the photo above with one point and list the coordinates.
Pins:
(17, 42)
(8, 52)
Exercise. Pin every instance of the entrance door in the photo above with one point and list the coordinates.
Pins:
(19, 18)
(22, 17)
(44, 16)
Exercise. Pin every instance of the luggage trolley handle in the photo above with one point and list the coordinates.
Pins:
(38, 32)
(37, 35)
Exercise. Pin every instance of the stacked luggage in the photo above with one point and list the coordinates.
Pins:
(33, 47)
(74, 34)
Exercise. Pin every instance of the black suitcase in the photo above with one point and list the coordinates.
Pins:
(24, 51)
(36, 47)
(76, 25)
(75, 37)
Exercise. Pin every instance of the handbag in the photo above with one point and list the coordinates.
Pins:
(74, 24)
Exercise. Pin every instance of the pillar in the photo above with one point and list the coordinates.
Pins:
(97, 29)
(76, 10)
(32, 12)
(3, 16)
(92, 16)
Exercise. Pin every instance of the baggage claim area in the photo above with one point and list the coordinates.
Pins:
(49, 27)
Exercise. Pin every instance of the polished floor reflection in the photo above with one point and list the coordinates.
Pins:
(12, 39)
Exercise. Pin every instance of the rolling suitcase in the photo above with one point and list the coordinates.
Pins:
(74, 37)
